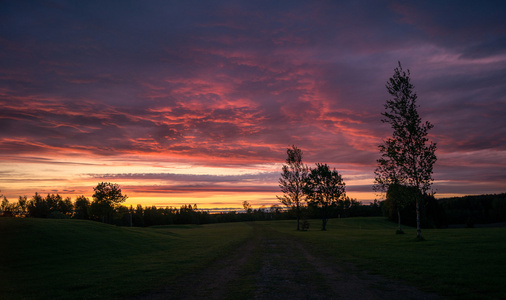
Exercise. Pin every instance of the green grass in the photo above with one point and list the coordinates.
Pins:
(456, 263)
(74, 259)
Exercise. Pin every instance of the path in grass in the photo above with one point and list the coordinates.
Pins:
(272, 265)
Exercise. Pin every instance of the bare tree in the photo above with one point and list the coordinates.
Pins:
(292, 182)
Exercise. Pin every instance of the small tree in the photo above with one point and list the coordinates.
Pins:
(324, 188)
(247, 206)
(106, 198)
(292, 182)
(407, 158)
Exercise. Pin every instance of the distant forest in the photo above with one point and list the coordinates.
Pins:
(54, 206)
(444, 212)
(467, 211)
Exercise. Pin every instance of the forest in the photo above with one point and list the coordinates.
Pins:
(445, 212)
(56, 207)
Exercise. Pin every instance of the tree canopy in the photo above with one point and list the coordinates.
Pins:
(106, 198)
(324, 188)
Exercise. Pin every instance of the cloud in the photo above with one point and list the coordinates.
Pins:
(210, 178)
(223, 84)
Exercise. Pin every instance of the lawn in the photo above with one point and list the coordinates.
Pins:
(456, 263)
(73, 259)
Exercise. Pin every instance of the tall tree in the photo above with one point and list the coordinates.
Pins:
(324, 189)
(408, 157)
(106, 198)
(292, 182)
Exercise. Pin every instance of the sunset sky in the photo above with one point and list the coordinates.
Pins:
(196, 101)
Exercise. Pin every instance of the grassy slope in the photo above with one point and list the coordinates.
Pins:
(81, 259)
(458, 263)
(65, 259)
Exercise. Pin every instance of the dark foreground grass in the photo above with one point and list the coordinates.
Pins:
(455, 263)
(73, 259)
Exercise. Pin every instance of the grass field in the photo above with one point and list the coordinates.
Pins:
(455, 263)
(62, 259)
(73, 259)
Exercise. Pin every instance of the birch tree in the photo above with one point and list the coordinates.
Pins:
(408, 157)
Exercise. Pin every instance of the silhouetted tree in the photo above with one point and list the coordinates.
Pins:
(5, 203)
(52, 201)
(407, 158)
(292, 182)
(247, 206)
(82, 207)
(106, 198)
(37, 207)
(58, 207)
(7, 209)
(22, 202)
(324, 188)
(66, 206)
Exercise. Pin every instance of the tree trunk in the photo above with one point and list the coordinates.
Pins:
(399, 218)
(324, 219)
(418, 221)
(298, 217)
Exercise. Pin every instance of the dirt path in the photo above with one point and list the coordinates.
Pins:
(274, 266)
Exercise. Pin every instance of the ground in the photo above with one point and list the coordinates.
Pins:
(271, 265)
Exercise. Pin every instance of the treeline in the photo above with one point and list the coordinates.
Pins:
(56, 207)
(468, 210)
(344, 208)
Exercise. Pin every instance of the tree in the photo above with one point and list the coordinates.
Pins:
(106, 198)
(324, 188)
(22, 202)
(247, 206)
(37, 207)
(81, 208)
(6, 207)
(292, 182)
(65, 206)
(408, 157)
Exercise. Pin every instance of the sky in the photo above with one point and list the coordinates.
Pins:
(196, 102)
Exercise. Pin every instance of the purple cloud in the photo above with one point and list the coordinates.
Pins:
(223, 84)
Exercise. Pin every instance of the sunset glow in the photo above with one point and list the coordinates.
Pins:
(196, 104)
